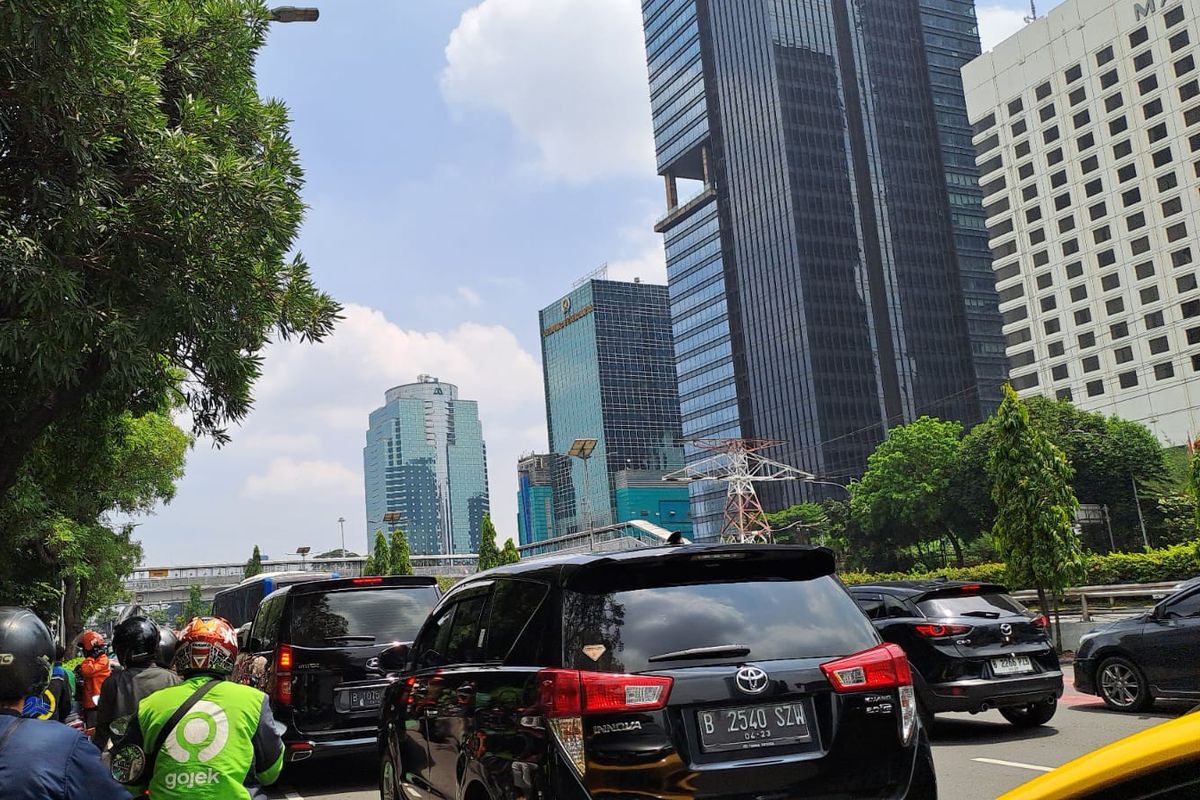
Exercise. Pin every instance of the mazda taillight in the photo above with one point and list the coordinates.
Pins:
(880, 668)
(1040, 622)
(566, 695)
(941, 631)
(281, 685)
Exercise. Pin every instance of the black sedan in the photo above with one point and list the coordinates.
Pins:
(971, 646)
(1157, 654)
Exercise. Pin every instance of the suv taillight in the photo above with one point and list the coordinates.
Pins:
(938, 631)
(1040, 622)
(880, 668)
(566, 695)
(281, 684)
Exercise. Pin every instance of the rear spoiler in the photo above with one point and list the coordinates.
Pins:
(689, 564)
(394, 581)
(961, 590)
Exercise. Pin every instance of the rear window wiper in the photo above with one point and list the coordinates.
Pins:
(983, 614)
(715, 651)
(349, 638)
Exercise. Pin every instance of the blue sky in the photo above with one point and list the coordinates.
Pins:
(466, 161)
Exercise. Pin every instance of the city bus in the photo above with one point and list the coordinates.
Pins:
(237, 605)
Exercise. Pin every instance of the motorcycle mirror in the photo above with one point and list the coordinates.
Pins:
(119, 726)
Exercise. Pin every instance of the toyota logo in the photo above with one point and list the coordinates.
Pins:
(752, 680)
(1006, 630)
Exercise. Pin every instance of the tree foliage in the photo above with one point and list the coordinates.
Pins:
(1194, 482)
(509, 554)
(254, 565)
(59, 530)
(148, 202)
(489, 556)
(801, 523)
(194, 606)
(379, 562)
(1035, 504)
(399, 561)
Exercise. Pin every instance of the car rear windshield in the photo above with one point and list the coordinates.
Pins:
(360, 617)
(621, 631)
(971, 605)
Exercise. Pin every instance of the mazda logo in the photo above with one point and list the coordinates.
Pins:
(1006, 630)
(373, 664)
(752, 680)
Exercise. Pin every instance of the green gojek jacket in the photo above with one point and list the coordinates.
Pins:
(224, 748)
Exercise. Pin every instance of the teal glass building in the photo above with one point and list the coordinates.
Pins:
(609, 371)
(536, 474)
(830, 276)
(426, 460)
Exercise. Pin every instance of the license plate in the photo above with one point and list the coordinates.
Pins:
(1012, 665)
(747, 727)
(362, 699)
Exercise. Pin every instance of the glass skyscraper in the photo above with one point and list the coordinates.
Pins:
(536, 478)
(610, 375)
(426, 460)
(831, 277)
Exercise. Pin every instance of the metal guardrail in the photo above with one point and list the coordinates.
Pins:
(1113, 592)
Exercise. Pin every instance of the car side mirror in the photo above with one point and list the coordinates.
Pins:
(395, 658)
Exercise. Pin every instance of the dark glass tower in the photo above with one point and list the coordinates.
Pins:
(831, 279)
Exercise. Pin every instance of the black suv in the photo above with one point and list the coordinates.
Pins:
(971, 646)
(685, 671)
(1131, 662)
(314, 648)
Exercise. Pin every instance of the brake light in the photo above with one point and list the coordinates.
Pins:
(1040, 622)
(882, 667)
(281, 683)
(368, 580)
(970, 587)
(940, 631)
(566, 695)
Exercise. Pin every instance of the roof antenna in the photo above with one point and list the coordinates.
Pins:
(1032, 12)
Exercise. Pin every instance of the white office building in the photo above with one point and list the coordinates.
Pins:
(1087, 126)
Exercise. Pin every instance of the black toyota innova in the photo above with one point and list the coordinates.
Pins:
(714, 671)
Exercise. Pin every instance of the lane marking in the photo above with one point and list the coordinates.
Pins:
(292, 796)
(1016, 764)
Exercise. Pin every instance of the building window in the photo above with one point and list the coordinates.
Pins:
(1055, 349)
(1140, 36)
(1078, 96)
(1190, 309)
(1041, 258)
(1110, 282)
(1123, 355)
(1179, 41)
(1093, 188)
(1052, 326)
(1058, 179)
(1172, 207)
(1157, 133)
(1122, 149)
(1118, 125)
(1083, 316)
(1045, 280)
(1158, 345)
(1113, 102)
(1104, 56)
(1089, 164)
(1055, 156)
(1173, 17)
(1177, 231)
(1106, 258)
(1167, 181)
(1091, 364)
(1184, 65)
(1029, 192)
(1063, 394)
(1189, 90)
(1025, 170)
(1161, 158)
(1127, 173)
(1140, 245)
(1191, 116)
(1115, 306)
(1102, 234)
(1048, 303)
(1074, 269)
(984, 124)
(1152, 109)
(1193, 335)
(1046, 112)
(1153, 320)
(1087, 340)
(1059, 373)
(1018, 128)
(1085, 141)
(1108, 79)
(1098, 210)
(1140, 63)
(1018, 337)
(1144, 270)
(1011, 293)
(1015, 106)
(1066, 223)
(1130, 197)
(1070, 247)
(1095, 388)
(1049, 135)
(1007, 272)
(1127, 379)
(1119, 330)
(1181, 257)
(1043, 91)
(1196, 362)
(1185, 283)
(1135, 221)
(1062, 202)
(1022, 382)
(1164, 371)
(1149, 295)
(1033, 214)
(1079, 293)
(1073, 74)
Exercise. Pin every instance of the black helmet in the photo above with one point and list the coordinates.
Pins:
(136, 641)
(26, 650)
(167, 642)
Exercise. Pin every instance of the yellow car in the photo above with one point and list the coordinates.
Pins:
(1160, 763)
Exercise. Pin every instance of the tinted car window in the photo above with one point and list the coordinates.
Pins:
(1187, 607)
(871, 604)
(266, 623)
(514, 603)
(621, 631)
(431, 645)
(959, 605)
(463, 643)
(359, 616)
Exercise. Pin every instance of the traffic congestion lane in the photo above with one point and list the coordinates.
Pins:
(977, 757)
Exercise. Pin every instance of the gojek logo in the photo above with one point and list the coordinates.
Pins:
(198, 738)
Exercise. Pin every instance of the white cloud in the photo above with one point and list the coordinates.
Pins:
(649, 264)
(997, 23)
(295, 465)
(470, 296)
(570, 75)
(287, 477)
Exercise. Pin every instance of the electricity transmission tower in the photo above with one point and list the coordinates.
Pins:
(739, 464)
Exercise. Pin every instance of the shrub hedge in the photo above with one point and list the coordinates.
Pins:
(1176, 563)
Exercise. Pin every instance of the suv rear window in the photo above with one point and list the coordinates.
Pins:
(775, 619)
(971, 605)
(359, 616)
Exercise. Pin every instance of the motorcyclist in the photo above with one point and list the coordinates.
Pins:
(40, 759)
(167, 642)
(226, 744)
(93, 672)
(136, 643)
(62, 686)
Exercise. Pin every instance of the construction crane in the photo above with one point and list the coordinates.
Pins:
(739, 464)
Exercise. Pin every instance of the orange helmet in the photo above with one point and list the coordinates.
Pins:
(92, 643)
(206, 644)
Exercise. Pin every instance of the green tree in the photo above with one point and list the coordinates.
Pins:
(1176, 517)
(194, 606)
(58, 527)
(903, 495)
(1194, 483)
(509, 554)
(158, 616)
(149, 200)
(1035, 506)
(399, 562)
(489, 555)
(379, 561)
(254, 565)
(801, 523)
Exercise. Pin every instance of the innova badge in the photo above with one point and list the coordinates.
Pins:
(751, 680)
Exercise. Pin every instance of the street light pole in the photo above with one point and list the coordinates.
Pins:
(342, 525)
(583, 449)
(1137, 501)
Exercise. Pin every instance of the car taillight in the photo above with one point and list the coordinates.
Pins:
(566, 695)
(939, 631)
(882, 667)
(281, 685)
(1040, 622)
(368, 581)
